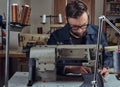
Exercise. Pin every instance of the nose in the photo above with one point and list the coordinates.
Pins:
(81, 30)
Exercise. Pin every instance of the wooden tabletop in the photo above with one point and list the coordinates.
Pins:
(13, 54)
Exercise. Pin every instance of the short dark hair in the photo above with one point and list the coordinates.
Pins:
(75, 9)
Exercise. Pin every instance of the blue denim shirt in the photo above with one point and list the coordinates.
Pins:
(62, 36)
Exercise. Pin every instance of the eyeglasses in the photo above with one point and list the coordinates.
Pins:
(76, 27)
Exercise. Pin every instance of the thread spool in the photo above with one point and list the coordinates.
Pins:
(1, 20)
(26, 10)
(39, 30)
(116, 59)
(15, 12)
(44, 19)
(60, 18)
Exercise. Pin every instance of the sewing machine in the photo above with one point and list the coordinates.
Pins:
(26, 41)
(38, 39)
(45, 61)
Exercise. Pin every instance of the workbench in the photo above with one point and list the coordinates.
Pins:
(17, 62)
(20, 79)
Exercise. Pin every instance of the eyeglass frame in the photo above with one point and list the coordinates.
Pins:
(76, 27)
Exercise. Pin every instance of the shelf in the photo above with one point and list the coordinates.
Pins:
(112, 2)
(111, 11)
(112, 8)
(17, 26)
(112, 14)
(14, 26)
(111, 27)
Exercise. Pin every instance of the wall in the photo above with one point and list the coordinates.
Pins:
(3, 9)
(98, 9)
(37, 11)
(3, 6)
(40, 7)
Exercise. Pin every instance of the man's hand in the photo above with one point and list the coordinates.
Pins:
(78, 69)
(104, 72)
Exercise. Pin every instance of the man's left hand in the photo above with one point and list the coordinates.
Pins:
(104, 72)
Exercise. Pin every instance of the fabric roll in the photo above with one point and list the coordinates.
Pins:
(116, 59)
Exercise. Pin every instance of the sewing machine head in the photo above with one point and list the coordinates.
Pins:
(38, 39)
(28, 40)
(48, 59)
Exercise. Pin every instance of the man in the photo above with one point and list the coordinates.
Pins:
(78, 31)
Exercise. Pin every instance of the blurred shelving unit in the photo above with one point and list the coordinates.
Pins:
(112, 12)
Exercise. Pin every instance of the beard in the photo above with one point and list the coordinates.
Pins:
(78, 35)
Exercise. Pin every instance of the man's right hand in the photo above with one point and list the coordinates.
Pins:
(78, 69)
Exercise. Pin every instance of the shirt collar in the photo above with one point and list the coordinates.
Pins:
(92, 29)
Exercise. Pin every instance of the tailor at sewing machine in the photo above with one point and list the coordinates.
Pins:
(46, 61)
